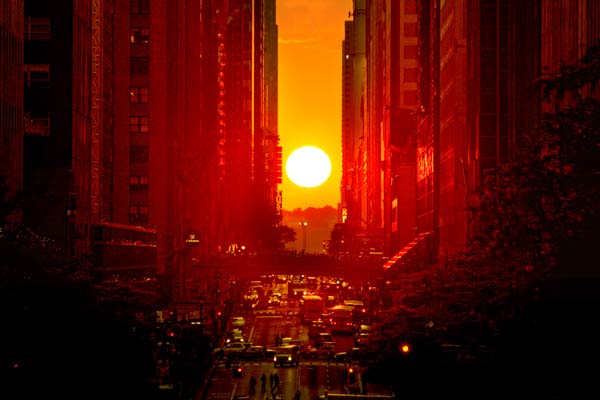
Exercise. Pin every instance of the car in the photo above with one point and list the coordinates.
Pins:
(361, 339)
(234, 348)
(342, 357)
(235, 335)
(253, 353)
(286, 355)
(238, 322)
(275, 301)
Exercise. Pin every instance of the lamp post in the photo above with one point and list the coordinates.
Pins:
(303, 224)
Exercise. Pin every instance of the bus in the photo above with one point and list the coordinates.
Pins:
(311, 308)
(342, 321)
(360, 315)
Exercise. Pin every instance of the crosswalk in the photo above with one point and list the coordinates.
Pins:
(316, 363)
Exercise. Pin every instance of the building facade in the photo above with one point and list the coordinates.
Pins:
(446, 98)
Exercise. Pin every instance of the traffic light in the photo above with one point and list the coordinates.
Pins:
(405, 348)
(351, 375)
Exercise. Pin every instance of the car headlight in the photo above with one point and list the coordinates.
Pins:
(289, 358)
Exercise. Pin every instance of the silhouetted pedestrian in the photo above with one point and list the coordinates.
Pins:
(276, 382)
(252, 384)
(271, 381)
(263, 383)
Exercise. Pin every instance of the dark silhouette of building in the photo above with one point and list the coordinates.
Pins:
(12, 120)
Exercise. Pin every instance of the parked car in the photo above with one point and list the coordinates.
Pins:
(253, 353)
(286, 355)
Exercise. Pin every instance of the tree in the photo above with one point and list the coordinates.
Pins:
(535, 216)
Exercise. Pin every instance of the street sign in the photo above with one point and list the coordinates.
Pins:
(192, 238)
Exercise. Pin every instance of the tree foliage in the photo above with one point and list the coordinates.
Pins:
(530, 214)
(66, 329)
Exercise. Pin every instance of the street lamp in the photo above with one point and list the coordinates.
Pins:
(303, 224)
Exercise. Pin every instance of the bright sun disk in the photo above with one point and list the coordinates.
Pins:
(308, 166)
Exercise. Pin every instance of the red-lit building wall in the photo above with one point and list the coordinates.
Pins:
(347, 182)
(399, 124)
(373, 120)
(237, 126)
(452, 143)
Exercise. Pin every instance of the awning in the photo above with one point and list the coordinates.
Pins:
(413, 254)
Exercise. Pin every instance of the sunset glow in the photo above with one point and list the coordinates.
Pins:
(310, 37)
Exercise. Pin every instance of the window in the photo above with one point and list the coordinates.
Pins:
(139, 154)
(140, 7)
(138, 215)
(410, 6)
(138, 124)
(37, 75)
(37, 28)
(138, 183)
(410, 97)
(140, 65)
(410, 74)
(139, 95)
(410, 29)
(410, 52)
(139, 35)
(37, 125)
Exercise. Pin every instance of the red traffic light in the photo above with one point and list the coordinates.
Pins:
(405, 348)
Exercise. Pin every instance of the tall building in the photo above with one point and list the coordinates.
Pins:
(379, 123)
(59, 143)
(272, 149)
(11, 94)
(347, 197)
(475, 66)
(398, 121)
(240, 58)
(73, 168)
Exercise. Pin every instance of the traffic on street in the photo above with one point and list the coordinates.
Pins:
(291, 344)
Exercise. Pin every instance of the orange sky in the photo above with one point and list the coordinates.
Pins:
(310, 94)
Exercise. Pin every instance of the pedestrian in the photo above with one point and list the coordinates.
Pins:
(263, 383)
(297, 395)
(271, 381)
(276, 382)
(252, 384)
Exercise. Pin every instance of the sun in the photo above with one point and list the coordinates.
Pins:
(308, 166)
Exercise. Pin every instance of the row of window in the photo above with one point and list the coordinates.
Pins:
(139, 35)
(140, 7)
(37, 28)
(138, 215)
(139, 124)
